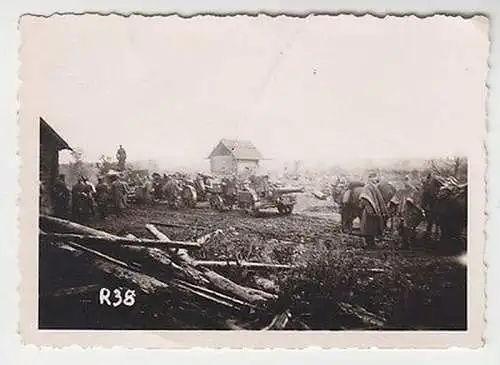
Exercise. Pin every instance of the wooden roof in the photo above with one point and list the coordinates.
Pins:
(239, 149)
(61, 144)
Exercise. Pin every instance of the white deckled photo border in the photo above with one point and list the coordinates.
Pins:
(187, 339)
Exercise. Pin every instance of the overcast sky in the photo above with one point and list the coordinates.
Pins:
(315, 89)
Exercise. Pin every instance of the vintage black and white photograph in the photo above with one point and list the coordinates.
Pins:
(260, 173)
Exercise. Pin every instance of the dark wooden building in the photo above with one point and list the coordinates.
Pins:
(50, 145)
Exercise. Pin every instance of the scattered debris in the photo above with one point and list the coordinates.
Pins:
(366, 317)
(245, 272)
(319, 195)
(155, 267)
(242, 264)
(93, 240)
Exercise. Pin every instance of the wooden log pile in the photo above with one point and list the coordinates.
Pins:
(163, 267)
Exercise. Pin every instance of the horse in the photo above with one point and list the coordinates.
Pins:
(409, 216)
(348, 199)
(430, 192)
(445, 203)
(346, 196)
(450, 210)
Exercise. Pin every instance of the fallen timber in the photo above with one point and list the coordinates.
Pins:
(231, 263)
(92, 288)
(91, 239)
(161, 236)
(160, 268)
(248, 294)
(199, 290)
(147, 284)
(242, 264)
(367, 318)
(118, 270)
(171, 225)
(162, 272)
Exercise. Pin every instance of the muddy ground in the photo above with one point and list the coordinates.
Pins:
(419, 288)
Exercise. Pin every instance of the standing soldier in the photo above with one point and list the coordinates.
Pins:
(410, 214)
(172, 192)
(200, 187)
(125, 189)
(61, 197)
(117, 195)
(148, 191)
(90, 194)
(121, 156)
(102, 197)
(373, 211)
(157, 186)
(77, 201)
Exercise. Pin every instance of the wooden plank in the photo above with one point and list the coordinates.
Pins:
(184, 270)
(205, 295)
(171, 225)
(243, 264)
(120, 271)
(203, 239)
(181, 253)
(79, 290)
(156, 232)
(250, 295)
(363, 315)
(279, 322)
(99, 254)
(87, 239)
(214, 293)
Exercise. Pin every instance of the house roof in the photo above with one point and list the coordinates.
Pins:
(61, 144)
(239, 149)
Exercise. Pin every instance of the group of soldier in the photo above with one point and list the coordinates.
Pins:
(86, 200)
(167, 187)
(378, 203)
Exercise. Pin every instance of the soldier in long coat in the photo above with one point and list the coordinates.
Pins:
(78, 201)
(89, 190)
(409, 193)
(121, 156)
(406, 212)
(149, 189)
(172, 191)
(102, 197)
(373, 211)
(61, 197)
(117, 195)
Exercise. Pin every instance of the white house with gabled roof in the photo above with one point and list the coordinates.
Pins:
(234, 157)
